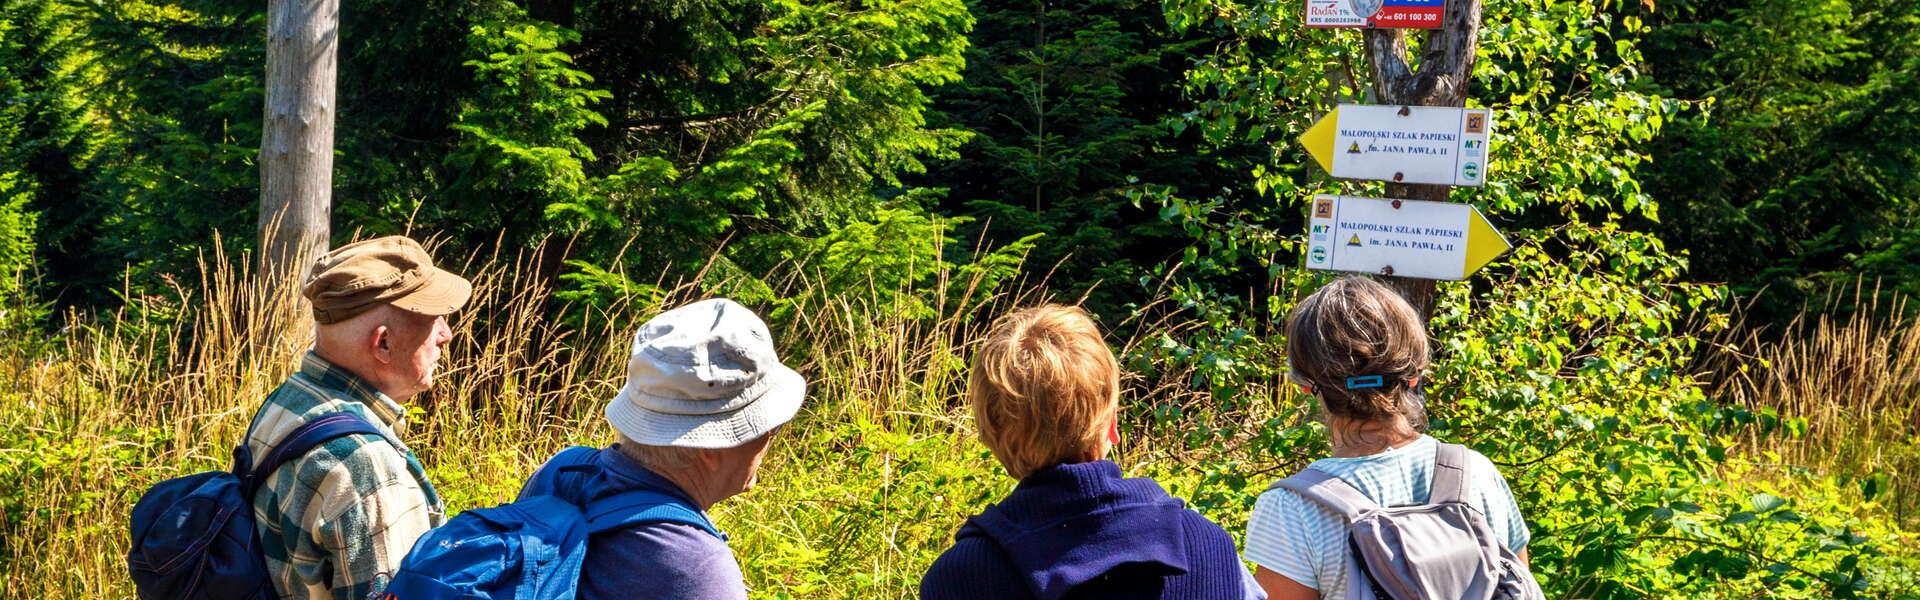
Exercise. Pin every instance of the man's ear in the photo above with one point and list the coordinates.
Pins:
(1113, 429)
(379, 344)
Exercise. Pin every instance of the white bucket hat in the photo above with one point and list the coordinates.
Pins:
(705, 376)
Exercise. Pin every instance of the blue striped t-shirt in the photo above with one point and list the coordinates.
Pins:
(1294, 537)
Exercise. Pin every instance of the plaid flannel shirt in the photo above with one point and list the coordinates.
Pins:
(335, 523)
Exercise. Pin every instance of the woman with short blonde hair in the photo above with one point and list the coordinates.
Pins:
(1045, 394)
(1044, 390)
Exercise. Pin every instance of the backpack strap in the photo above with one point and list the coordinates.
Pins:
(638, 507)
(1326, 490)
(1449, 475)
(616, 511)
(308, 436)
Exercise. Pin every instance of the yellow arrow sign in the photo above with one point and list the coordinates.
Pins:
(1406, 238)
(1484, 243)
(1319, 139)
(1404, 144)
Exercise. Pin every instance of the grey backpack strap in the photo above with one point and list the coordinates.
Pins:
(1449, 475)
(1326, 490)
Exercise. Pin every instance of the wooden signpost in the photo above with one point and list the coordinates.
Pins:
(1445, 68)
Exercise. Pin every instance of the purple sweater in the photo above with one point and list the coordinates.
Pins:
(1081, 531)
(669, 561)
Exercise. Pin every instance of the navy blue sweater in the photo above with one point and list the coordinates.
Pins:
(1082, 531)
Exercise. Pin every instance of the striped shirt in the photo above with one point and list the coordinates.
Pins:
(1301, 540)
(336, 522)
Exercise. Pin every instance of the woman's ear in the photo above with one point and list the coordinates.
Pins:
(1113, 429)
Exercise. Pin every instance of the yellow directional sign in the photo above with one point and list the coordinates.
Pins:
(1403, 144)
(1406, 238)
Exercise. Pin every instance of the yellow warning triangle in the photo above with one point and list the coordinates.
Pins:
(1319, 139)
(1484, 243)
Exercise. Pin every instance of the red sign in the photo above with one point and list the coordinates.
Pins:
(1376, 14)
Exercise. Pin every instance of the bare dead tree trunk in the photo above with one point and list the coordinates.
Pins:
(1446, 67)
(296, 144)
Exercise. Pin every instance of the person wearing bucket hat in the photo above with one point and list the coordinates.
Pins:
(705, 394)
(336, 521)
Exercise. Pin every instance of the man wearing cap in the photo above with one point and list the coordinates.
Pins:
(704, 396)
(336, 522)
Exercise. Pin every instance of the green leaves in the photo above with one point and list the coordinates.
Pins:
(1569, 362)
(521, 134)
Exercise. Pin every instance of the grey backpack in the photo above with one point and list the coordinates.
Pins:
(1442, 550)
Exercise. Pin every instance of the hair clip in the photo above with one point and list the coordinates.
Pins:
(1362, 382)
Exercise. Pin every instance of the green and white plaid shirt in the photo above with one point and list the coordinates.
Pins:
(336, 522)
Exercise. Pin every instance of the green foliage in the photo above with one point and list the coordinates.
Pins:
(895, 261)
(1794, 168)
(520, 144)
(1570, 365)
(16, 236)
(879, 173)
(1071, 106)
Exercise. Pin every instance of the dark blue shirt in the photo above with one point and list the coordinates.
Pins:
(669, 561)
(1081, 531)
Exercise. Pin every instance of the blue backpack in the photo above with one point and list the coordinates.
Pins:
(194, 537)
(534, 547)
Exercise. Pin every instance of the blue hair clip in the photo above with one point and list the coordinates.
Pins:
(1363, 382)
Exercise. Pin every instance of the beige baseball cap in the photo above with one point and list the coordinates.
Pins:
(354, 278)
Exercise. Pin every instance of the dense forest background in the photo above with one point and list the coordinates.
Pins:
(1780, 153)
(1708, 201)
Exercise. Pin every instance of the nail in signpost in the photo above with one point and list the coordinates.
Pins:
(1403, 144)
(1376, 14)
(1404, 238)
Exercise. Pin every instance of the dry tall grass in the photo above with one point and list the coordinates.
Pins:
(1853, 380)
(855, 500)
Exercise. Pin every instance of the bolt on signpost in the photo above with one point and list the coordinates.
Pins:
(1445, 68)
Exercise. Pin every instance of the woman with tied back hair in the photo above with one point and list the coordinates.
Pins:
(1361, 350)
(1045, 392)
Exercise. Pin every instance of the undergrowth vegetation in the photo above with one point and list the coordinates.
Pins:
(1619, 460)
(1841, 388)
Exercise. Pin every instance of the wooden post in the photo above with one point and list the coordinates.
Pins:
(296, 144)
(1446, 67)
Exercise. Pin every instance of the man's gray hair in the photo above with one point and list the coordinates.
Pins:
(657, 458)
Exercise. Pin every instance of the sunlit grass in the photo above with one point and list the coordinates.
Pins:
(1846, 391)
(859, 494)
(856, 499)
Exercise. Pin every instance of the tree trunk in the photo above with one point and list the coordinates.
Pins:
(296, 144)
(1446, 67)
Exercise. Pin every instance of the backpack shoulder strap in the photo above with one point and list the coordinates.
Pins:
(546, 481)
(1325, 489)
(1449, 475)
(635, 507)
(308, 436)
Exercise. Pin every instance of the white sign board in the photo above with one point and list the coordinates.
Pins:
(1403, 144)
(1404, 238)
